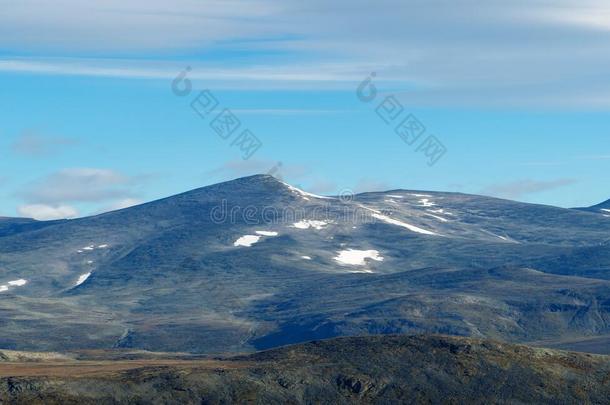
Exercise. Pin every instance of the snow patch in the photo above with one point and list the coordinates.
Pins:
(378, 215)
(18, 283)
(421, 195)
(437, 217)
(504, 238)
(426, 203)
(3, 288)
(395, 196)
(247, 240)
(605, 210)
(365, 271)
(357, 257)
(83, 278)
(440, 211)
(266, 233)
(310, 223)
(306, 257)
(410, 227)
(92, 247)
(305, 194)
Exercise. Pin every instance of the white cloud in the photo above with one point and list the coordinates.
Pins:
(120, 204)
(44, 212)
(462, 52)
(126, 203)
(78, 185)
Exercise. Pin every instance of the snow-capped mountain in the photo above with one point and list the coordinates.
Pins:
(256, 263)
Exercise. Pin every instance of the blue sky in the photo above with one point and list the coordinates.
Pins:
(517, 92)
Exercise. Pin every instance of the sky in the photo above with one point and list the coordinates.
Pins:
(102, 102)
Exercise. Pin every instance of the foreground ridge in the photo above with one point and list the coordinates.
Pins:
(375, 369)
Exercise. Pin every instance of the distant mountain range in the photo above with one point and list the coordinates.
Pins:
(255, 263)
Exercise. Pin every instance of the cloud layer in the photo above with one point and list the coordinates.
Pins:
(493, 52)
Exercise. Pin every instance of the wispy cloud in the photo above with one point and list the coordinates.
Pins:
(491, 53)
(521, 188)
(34, 144)
(281, 111)
(79, 185)
(164, 69)
(594, 157)
(540, 164)
(323, 186)
(134, 26)
(240, 168)
(367, 184)
(120, 204)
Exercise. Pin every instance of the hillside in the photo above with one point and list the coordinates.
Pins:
(254, 263)
(389, 369)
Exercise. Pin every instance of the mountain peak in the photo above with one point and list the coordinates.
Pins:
(266, 182)
(255, 178)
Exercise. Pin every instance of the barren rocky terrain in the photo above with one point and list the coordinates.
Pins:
(383, 370)
(254, 263)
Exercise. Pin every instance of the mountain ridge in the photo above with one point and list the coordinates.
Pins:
(273, 182)
(362, 370)
(184, 274)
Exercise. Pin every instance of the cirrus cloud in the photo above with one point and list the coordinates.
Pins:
(534, 53)
(521, 188)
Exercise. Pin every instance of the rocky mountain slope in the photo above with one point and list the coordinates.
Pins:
(362, 370)
(603, 208)
(255, 263)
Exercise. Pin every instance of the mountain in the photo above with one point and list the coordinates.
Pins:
(255, 263)
(602, 208)
(355, 370)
